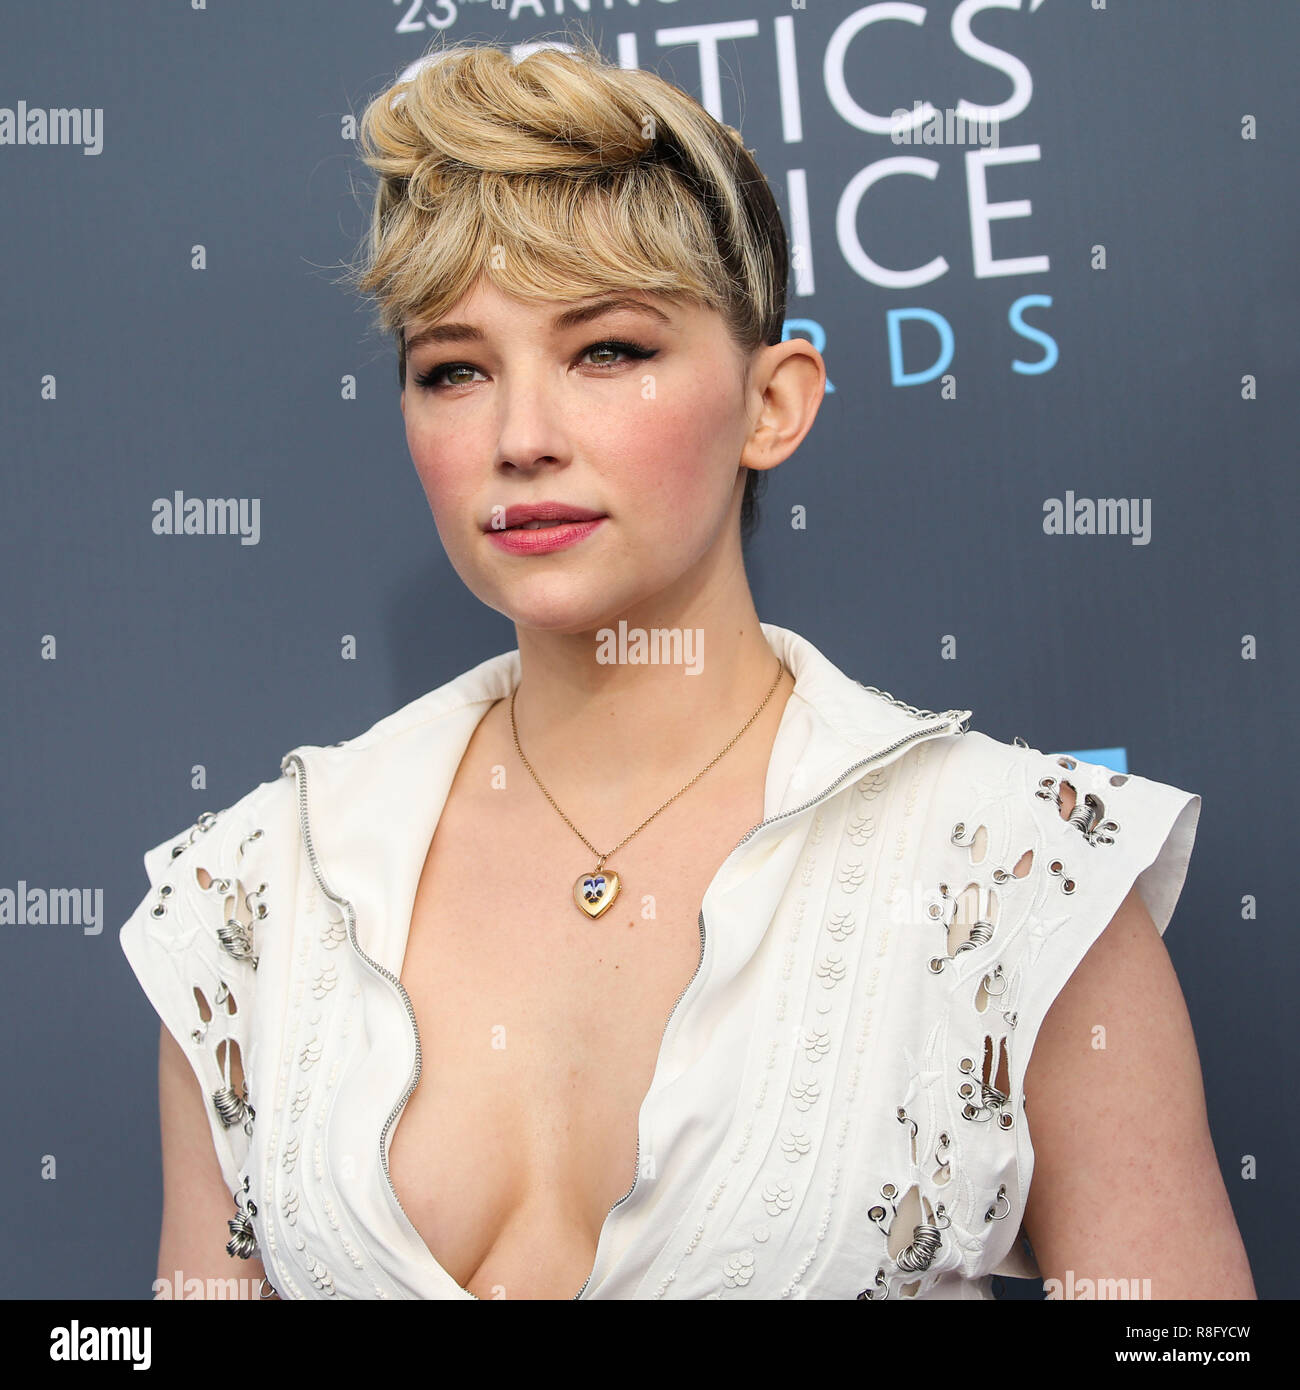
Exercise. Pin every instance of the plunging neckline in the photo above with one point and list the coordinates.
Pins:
(829, 732)
(418, 1240)
(686, 1000)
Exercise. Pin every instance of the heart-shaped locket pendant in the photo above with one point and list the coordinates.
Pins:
(594, 892)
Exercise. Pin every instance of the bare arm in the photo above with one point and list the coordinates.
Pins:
(1126, 1183)
(196, 1202)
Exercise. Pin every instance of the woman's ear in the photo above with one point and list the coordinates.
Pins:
(788, 382)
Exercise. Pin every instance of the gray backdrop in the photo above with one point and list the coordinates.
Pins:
(1157, 235)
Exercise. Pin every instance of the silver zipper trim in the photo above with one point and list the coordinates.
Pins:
(952, 716)
(300, 779)
(949, 717)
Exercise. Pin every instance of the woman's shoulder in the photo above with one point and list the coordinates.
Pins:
(193, 942)
(1093, 826)
(1030, 855)
(1024, 860)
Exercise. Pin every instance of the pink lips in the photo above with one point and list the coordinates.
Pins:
(563, 525)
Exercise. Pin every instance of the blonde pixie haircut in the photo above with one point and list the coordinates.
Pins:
(562, 176)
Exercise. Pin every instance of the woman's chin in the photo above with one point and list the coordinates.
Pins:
(562, 621)
(566, 613)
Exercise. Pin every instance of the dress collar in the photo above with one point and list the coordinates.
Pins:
(369, 806)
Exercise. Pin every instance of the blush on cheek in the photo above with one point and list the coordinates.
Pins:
(443, 472)
(691, 452)
(453, 512)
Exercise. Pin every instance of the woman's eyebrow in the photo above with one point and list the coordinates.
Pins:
(568, 318)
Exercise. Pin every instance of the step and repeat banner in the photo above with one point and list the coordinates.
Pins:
(1047, 249)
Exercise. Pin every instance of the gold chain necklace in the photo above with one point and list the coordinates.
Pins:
(595, 892)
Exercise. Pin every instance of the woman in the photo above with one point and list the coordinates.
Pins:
(657, 958)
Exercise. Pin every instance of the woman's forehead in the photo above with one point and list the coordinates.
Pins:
(560, 314)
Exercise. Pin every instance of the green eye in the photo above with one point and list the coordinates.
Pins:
(436, 378)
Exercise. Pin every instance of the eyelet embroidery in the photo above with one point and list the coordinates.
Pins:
(992, 1100)
(926, 1240)
(927, 1234)
(235, 937)
(879, 1288)
(943, 1173)
(942, 907)
(993, 1214)
(983, 1094)
(201, 826)
(242, 1244)
(1057, 867)
(1088, 812)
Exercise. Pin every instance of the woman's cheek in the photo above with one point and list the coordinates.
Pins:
(691, 460)
(440, 493)
(435, 470)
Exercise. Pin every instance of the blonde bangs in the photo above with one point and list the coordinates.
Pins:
(560, 177)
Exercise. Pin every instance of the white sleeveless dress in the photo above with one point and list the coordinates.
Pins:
(838, 1107)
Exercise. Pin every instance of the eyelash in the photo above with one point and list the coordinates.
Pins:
(431, 379)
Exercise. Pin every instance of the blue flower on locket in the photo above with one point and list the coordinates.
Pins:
(593, 889)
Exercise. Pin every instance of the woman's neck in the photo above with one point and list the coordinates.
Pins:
(612, 718)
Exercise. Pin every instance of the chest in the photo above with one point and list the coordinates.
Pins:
(540, 1032)
(780, 1165)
